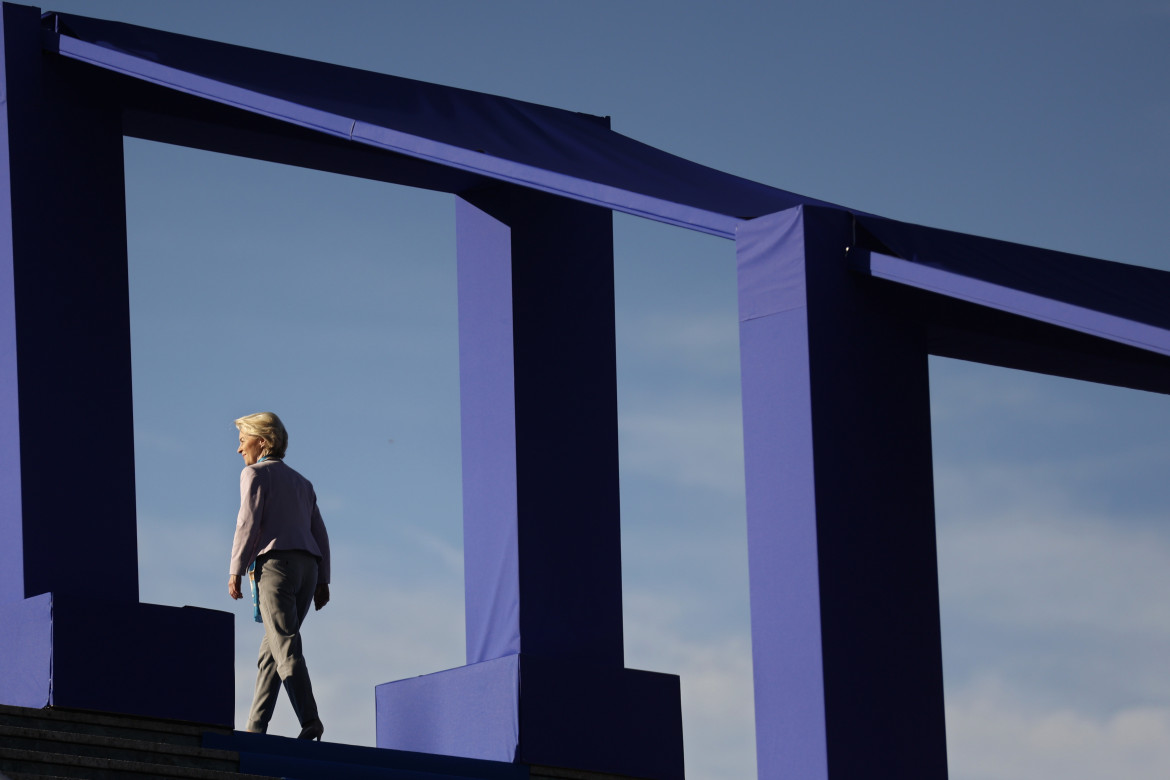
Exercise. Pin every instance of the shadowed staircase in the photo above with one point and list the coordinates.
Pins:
(53, 743)
(43, 744)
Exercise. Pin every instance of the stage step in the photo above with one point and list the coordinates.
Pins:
(52, 743)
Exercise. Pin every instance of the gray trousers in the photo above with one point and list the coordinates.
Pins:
(287, 580)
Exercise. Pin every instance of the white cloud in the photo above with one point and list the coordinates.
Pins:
(705, 343)
(994, 733)
(1022, 551)
(450, 556)
(1054, 630)
(691, 442)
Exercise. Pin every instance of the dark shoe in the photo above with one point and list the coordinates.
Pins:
(312, 731)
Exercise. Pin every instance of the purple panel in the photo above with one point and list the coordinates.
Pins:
(840, 511)
(472, 711)
(26, 652)
(781, 505)
(19, 69)
(488, 410)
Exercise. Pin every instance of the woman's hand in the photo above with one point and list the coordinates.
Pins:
(321, 596)
(234, 587)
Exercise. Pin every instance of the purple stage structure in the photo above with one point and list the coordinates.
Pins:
(838, 313)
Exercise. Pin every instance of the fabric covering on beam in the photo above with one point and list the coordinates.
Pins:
(549, 149)
(577, 156)
(1061, 288)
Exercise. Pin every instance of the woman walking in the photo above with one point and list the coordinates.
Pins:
(281, 541)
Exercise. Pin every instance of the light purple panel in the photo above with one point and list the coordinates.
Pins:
(26, 652)
(487, 406)
(781, 505)
(17, 51)
(843, 571)
(472, 711)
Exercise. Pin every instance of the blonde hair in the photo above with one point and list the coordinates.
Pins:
(268, 427)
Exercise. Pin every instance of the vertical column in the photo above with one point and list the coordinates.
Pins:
(71, 626)
(65, 394)
(542, 536)
(545, 682)
(844, 582)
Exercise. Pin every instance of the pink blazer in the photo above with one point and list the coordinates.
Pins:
(278, 511)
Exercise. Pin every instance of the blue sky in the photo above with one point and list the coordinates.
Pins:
(332, 302)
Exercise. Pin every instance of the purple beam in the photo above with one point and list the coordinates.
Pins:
(1020, 302)
(526, 175)
(844, 592)
(65, 402)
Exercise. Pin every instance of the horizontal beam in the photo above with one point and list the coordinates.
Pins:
(341, 126)
(1014, 301)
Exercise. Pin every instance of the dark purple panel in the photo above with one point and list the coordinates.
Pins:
(840, 512)
(143, 659)
(603, 719)
(26, 651)
(472, 711)
(73, 379)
